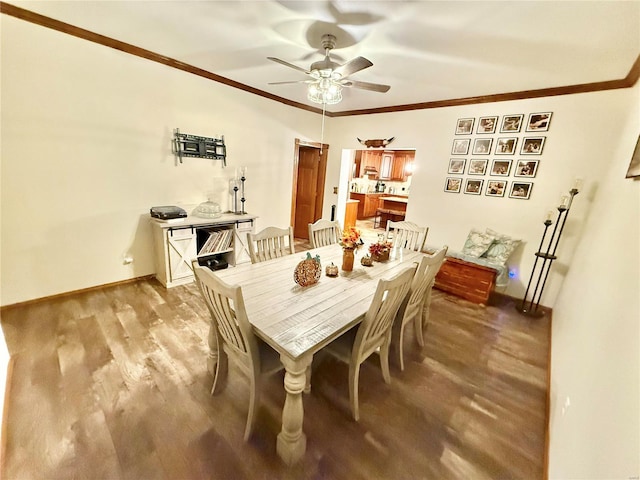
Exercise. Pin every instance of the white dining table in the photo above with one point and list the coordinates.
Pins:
(298, 321)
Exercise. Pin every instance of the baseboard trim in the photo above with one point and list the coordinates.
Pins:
(74, 292)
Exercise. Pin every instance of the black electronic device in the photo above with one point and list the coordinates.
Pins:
(167, 212)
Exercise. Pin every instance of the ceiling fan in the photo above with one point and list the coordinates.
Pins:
(328, 77)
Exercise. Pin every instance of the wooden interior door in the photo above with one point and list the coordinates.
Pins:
(308, 186)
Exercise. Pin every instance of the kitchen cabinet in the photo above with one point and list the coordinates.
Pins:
(386, 166)
(368, 204)
(371, 160)
(402, 165)
(351, 213)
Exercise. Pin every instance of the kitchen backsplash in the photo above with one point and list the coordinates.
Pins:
(364, 185)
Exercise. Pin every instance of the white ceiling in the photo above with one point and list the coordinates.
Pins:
(426, 50)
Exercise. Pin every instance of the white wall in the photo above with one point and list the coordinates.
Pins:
(86, 134)
(584, 130)
(85, 153)
(596, 331)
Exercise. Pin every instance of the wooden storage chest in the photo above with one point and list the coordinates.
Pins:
(468, 280)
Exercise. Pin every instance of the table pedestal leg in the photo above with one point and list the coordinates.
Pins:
(292, 442)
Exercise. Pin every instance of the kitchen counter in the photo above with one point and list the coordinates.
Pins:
(395, 199)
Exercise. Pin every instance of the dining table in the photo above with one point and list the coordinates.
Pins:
(299, 321)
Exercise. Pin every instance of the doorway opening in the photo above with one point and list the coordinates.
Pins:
(380, 181)
(309, 174)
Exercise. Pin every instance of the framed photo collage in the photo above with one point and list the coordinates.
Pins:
(481, 151)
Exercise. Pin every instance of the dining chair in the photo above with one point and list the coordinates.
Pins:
(272, 242)
(373, 334)
(416, 308)
(236, 339)
(324, 232)
(407, 235)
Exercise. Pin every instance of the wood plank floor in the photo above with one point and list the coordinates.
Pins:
(112, 384)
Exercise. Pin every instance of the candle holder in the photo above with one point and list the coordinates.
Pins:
(243, 172)
(530, 307)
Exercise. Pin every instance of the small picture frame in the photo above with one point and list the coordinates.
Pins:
(478, 166)
(501, 168)
(482, 146)
(539, 122)
(526, 168)
(453, 184)
(511, 123)
(532, 145)
(506, 146)
(456, 165)
(487, 125)
(460, 146)
(465, 126)
(473, 186)
(496, 188)
(521, 190)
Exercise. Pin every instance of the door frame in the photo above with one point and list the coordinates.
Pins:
(322, 174)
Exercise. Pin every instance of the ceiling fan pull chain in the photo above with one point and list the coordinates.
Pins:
(324, 106)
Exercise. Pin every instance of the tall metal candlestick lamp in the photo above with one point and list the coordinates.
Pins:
(243, 177)
(530, 307)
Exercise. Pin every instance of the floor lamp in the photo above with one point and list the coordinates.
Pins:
(545, 257)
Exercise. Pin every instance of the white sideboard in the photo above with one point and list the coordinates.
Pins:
(177, 242)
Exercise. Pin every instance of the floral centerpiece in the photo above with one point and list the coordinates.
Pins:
(380, 251)
(350, 241)
(350, 238)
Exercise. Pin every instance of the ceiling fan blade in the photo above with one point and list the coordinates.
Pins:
(374, 87)
(353, 66)
(287, 64)
(292, 81)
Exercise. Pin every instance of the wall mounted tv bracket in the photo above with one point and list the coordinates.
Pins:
(185, 145)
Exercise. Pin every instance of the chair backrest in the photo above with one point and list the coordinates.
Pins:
(229, 318)
(272, 242)
(324, 232)
(422, 282)
(376, 326)
(407, 235)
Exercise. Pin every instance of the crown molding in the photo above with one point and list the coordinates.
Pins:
(48, 22)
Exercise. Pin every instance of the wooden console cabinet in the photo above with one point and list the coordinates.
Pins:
(177, 243)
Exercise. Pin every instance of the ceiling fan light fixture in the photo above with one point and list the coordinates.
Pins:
(325, 92)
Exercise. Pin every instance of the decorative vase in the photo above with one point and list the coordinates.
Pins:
(347, 259)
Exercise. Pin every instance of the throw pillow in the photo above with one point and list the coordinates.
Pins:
(477, 243)
(502, 248)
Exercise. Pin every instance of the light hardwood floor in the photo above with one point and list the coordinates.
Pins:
(113, 384)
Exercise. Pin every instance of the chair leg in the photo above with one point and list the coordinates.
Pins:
(220, 374)
(400, 348)
(417, 327)
(397, 336)
(254, 401)
(384, 360)
(354, 377)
